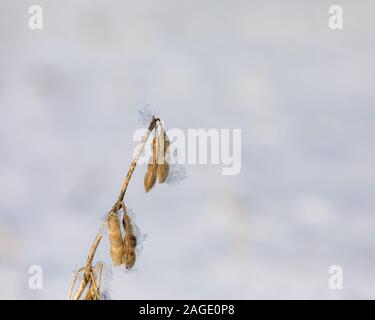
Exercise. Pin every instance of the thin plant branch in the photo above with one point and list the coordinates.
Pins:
(73, 283)
(140, 148)
(100, 276)
(115, 208)
(87, 270)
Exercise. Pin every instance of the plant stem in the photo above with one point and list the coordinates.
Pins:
(86, 272)
(135, 160)
(116, 206)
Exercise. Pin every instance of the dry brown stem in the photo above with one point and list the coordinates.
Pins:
(135, 160)
(87, 270)
(115, 207)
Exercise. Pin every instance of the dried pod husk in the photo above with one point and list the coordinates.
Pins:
(115, 238)
(163, 157)
(130, 241)
(162, 172)
(150, 176)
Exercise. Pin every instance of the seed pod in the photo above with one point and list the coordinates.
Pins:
(115, 238)
(150, 176)
(130, 241)
(163, 157)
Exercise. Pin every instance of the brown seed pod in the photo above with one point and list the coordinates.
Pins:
(163, 157)
(150, 176)
(115, 238)
(130, 241)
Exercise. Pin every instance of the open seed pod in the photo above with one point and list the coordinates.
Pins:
(130, 241)
(163, 156)
(150, 176)
(115, 238)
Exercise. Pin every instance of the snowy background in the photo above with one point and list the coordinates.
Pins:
(302, 94)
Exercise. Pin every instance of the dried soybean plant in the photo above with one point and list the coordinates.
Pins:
(123, 249)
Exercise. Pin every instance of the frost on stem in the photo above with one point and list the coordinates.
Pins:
(145, 115)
